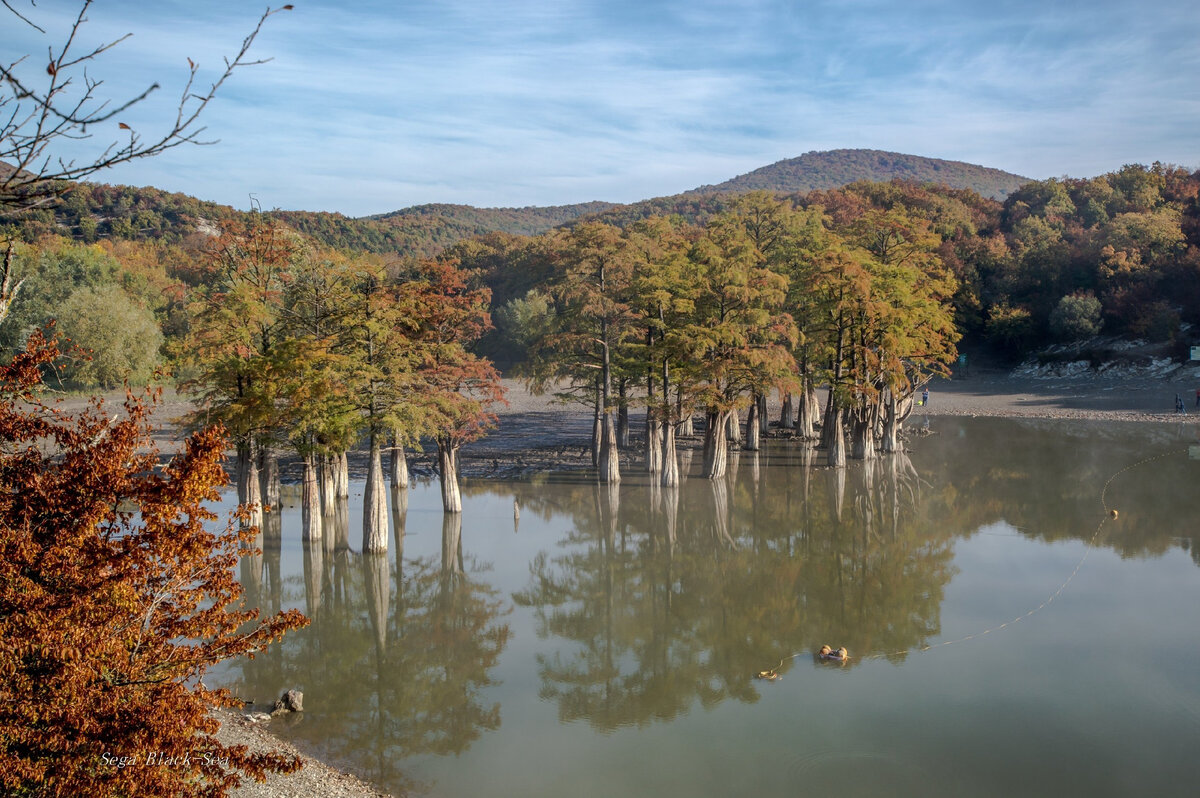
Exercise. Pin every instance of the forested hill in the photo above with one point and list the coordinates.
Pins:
(836, 168)
(94, 211)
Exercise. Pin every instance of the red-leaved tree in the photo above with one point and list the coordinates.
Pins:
(116, 594)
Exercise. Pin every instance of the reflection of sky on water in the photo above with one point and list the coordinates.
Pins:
(1045, 706)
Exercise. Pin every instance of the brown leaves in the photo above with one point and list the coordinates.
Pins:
(115, 593)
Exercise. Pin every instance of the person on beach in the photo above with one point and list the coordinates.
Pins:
(925, 397)
(1178, 403)
(1198, 397)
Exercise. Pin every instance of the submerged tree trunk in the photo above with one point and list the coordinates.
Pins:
(249, 493)
(597, 428)
(733, 428)
(753, 427)
(609, 468)
(448, 474)
(890, 441)
(654, 443)
(272, 490)
(862, 437)
(328, 485)
(310, 502)
(787, 415)
(343, 476)
(716, 451)
(398, 467)
(670, 462)
(375, 510)
(836, 446)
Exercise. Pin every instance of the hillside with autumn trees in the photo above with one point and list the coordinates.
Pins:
(1056, 260)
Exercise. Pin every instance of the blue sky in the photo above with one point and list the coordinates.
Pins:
(368, 107)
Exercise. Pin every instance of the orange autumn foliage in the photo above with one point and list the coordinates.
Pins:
(116, 594)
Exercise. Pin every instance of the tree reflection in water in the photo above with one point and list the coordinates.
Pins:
(681, 596)
(389, 675)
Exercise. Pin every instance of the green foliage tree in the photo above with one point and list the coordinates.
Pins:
(1077, 316)
(121, 337)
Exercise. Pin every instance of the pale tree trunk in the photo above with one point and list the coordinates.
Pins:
(670, 462)
(836, 447)
(343, 476)
(375, 510)
(249, 493)
(609, 468)
(753, 428)
(271, 488)
(787, 415)
(328, 485)
(733, 427)
(715, 444)
(310, 502)
(597, 431)
(890, 443)
(654, 443)
(862, 438)
(807, 411)
(448, 475)
(398, 467)
(341, 525)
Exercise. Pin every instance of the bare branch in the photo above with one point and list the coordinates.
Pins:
(67, 104)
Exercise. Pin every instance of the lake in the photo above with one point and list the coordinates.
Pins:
(1007, 636)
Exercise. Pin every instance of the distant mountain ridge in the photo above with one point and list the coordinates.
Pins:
(835, 168)
(96, 210)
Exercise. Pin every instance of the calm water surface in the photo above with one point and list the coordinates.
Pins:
(607, 644)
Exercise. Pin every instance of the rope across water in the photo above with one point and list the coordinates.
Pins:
(1109, 515)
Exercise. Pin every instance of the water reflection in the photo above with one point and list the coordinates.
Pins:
(647, 602)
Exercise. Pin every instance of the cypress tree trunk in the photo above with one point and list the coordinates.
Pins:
(249, 493)
(654, 443)
(375, 510)
(609, 468)
(787, 415)
(398, 467)
(310, 503)
(328, 486)
(670, 462)
(343, 476)
(716, 451)
(753, 427)
(271, 488)
(836, 448)
(448, 474)
(890, 442)
(597, 431)
(622, 416)
(734, 428)
(862, 438)
(764, 425)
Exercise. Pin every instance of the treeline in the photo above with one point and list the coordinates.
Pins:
(293, 345)
(766, 296)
